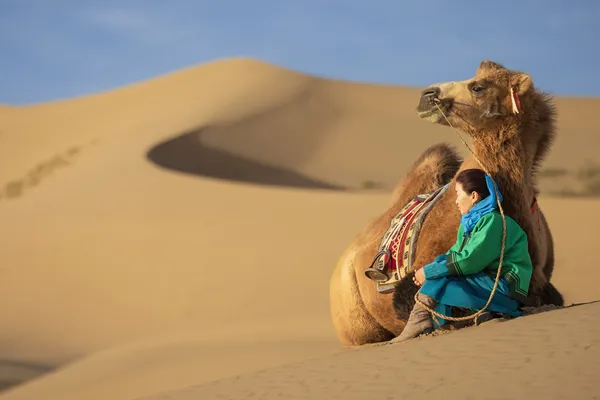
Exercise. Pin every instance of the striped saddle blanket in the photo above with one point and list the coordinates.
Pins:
(397, 248)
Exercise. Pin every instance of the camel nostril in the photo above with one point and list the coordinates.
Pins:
(431, 92)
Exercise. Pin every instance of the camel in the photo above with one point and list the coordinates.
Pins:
(512, 127)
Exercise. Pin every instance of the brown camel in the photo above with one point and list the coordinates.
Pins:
(511, 138)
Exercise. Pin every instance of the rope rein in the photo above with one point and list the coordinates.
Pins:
(478, 313)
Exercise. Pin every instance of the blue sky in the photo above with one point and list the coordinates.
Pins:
(55, 49)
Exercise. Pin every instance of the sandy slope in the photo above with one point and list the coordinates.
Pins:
(120, 256)
(168, 352)
(556, 360)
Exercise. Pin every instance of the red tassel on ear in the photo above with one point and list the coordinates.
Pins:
(516, 104)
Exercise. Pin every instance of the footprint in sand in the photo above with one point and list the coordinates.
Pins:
(17, 187)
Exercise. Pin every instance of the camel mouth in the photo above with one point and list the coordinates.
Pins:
(428, 112)
(432, 108)
(432, 113)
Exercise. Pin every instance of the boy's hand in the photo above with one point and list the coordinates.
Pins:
(419, 277)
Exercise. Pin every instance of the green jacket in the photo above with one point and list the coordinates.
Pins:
(481, 252)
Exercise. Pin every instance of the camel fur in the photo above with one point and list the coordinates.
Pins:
(510, 135)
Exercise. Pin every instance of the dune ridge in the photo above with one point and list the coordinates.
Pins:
(239, 102)
(187, 242)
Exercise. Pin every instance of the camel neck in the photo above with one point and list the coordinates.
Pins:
(507, 161)
(504, 157)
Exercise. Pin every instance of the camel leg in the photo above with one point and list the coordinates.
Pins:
(360, 314)
(541, 291)
(549, 295)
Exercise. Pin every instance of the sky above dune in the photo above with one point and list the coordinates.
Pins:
(64, 48)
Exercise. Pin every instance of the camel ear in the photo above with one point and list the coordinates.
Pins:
(489, 65)
(521, 83)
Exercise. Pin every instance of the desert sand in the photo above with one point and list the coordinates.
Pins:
(174, 239)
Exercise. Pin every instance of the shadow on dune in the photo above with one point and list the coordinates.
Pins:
(186, 153)
(14, 373)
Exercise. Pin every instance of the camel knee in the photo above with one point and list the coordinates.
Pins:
(352, 322)
(354, 326)
(361, 332)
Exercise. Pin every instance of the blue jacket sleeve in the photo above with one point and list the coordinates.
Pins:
(437, 269)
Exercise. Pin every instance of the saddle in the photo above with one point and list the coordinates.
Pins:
(394, 260)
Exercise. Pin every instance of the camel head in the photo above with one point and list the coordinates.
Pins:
(493, 97)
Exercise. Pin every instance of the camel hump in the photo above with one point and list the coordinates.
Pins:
(436, 166)
(441, 160)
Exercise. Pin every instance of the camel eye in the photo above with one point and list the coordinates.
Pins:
(477, 89)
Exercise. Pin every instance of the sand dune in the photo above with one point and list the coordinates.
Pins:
(184, 229)
(557, 360)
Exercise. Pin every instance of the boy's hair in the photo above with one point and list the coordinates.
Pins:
(473, 180)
